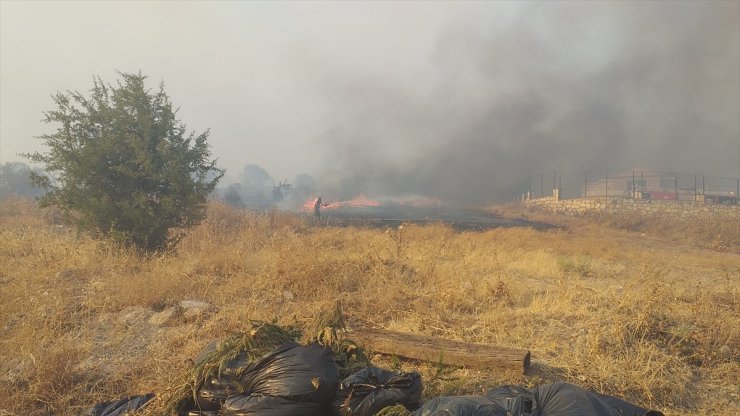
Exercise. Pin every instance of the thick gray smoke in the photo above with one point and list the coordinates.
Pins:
(454, 100)
(560, 87)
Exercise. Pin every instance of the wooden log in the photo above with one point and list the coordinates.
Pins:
(435, 349)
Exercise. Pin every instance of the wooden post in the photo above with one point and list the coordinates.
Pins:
(435, 350)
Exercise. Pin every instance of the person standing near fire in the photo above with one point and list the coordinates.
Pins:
(317, 208)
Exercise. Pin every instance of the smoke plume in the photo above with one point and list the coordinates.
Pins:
(559, 87)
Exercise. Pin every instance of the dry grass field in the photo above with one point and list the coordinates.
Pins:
(647, 311)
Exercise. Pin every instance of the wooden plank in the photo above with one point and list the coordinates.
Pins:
(431, 349)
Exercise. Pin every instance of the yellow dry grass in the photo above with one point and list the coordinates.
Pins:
(620, 308)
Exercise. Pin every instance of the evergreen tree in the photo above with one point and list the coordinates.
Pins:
(123, 165)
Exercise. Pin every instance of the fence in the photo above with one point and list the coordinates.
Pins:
(633, 185)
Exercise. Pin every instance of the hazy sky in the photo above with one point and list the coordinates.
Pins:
(439, 99)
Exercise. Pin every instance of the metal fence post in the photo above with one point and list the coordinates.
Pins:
(675, 183)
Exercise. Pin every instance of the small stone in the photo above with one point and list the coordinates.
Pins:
(133, 315)
(194, 308)
(725, 352)
(167, 317)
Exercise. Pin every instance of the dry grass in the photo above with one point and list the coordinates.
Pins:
(650, 315)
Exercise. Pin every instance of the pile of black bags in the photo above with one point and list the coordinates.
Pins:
(304, 380)
(291, 380)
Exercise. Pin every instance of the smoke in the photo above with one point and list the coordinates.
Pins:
(450, 100)
(557, 87)
(257, 189)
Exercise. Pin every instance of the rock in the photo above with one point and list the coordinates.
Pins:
(725, 352)
(134, 315)
(168, 317)
(185, 311)
(192, 309)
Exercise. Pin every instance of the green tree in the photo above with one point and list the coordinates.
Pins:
(123, 165)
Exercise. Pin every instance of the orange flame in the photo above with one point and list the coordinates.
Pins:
(356, 202)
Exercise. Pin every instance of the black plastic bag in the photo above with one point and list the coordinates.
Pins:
(233, 368)
(119, 407)
(502, 393)
(626, 408)
(291, 371)
(215, 390)
(213, 393)
(460, 406)
(251, 405)
(369, 390)
(294, 372)
(557, 399)
(565, 399)
(515, 400)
